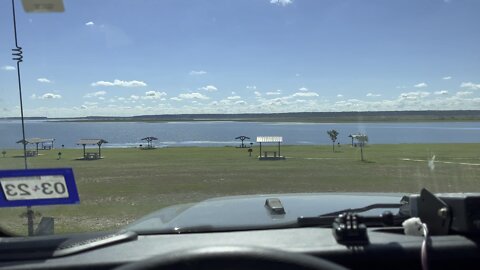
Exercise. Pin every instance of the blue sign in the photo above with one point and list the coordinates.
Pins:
(38, 187)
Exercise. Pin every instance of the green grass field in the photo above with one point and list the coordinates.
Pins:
(129, 183)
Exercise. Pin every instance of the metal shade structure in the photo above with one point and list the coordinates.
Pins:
(361, 138)
(149, 141)
(85, 142)
(37, 141)
(270, 139)
(242, 138)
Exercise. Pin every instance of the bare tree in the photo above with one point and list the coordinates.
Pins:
(333, 136)
(362, 140)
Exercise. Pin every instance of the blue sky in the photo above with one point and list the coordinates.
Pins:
(244, 56)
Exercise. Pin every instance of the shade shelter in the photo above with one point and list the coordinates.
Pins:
(351, 136)
(98, 142)
(270, 155)
(360, 138)
(46, 144)
(242, 138)
(149, 141)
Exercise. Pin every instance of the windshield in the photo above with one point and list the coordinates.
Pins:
(159, 103)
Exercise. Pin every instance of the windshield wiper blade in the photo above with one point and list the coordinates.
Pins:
(363, 209)
(326, 220)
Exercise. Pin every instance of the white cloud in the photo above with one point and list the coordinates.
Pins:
(90, 24)
(274, 93)
(49, 96)
(46, 96)
(154, 95)
(466, 100)
(447, 78)
(120, 83)
(304, 89)
(251, 87)
(441, 92)
(339, 96)
(88, 103)
(281, 2)
(470, 85)
(8, 68)
(258, 94)
(233, 97)
(95, 94)
(44, 80)
(197, 72)
(373, 95)
(134, 97)
(414, 95)
(305, 94)
(261, 105)
(209, 88)
(176, 98)
(420, 85)
(193, 96)
(464, 93)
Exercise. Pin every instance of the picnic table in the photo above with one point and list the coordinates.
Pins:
(92, 156)
(266, 153)
(31, 153)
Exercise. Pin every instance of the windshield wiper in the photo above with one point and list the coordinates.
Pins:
(364, 209)
(386, 219)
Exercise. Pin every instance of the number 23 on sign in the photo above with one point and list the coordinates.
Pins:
(34, 187)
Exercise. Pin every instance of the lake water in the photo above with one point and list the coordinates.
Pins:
(129, 134)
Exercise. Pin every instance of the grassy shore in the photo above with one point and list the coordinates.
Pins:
(129, 183)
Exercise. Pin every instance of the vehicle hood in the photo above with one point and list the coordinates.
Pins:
(250, 212)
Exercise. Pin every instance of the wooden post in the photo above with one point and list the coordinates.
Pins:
(30, 220)
(84, 155)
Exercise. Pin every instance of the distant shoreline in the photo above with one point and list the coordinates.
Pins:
(301, 117)
(332, 121)
(232, 146)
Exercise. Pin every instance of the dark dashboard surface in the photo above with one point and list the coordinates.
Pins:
(387, 249)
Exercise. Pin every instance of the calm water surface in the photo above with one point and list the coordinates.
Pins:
(129, 134)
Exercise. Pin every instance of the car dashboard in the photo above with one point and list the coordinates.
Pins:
(388, 248)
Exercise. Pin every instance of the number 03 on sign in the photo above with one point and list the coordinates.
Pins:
(38, 187)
